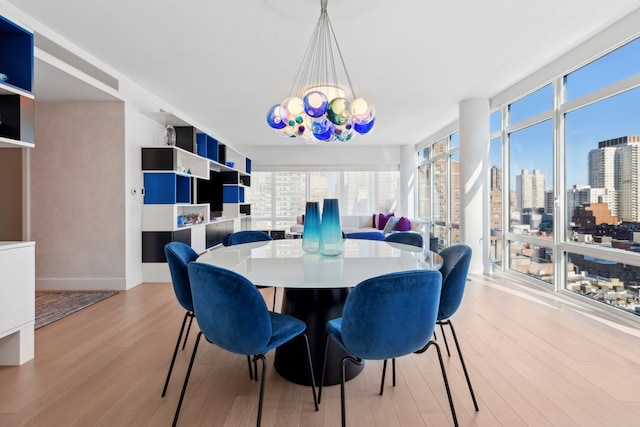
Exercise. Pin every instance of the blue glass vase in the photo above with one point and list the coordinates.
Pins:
(331, 243)
(311, 231)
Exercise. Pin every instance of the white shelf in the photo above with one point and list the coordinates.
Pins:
(7, 89)
(165, 217)
(13, 143)
(183, 161)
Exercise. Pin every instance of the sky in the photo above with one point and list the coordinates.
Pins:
(619, 115)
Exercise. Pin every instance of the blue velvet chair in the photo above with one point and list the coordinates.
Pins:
(233, 315)
(406, 237)
(365, 235)
(179, 255)
(385, 317)
(454, 270)
(455, 267)
(248, 236)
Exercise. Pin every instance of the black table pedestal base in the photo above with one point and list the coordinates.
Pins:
(315, 307)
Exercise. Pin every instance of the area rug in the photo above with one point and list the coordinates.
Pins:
(52, 306)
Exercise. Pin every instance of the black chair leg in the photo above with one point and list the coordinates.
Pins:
(274, 299)
(384, 371)
(264, 372)
(255, 369)
(393, 367)
(313, 378)
(324, 366)
(186, 380)
(444, 377)
(175, 352)
(342, 381)
(188, 329)
(464, 367)
(250, 367)
(444, 336)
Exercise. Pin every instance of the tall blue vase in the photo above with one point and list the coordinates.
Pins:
(331, 243)
(311, 231)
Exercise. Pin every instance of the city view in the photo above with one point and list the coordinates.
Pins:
(604, 212)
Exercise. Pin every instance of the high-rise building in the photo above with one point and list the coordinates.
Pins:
(615, 166)
(530, 190)
(496, 177)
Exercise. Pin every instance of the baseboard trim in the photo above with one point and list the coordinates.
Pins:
(81, 284)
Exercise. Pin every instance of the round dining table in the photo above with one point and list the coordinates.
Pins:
(316, 287)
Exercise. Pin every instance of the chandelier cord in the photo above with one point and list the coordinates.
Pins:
(318, 62)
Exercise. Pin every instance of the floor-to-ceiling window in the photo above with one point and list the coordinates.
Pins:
(565, 176)
(602, 169)
(439, 188)
(277, 198)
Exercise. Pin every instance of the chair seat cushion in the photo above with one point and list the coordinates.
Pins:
(283, 328)
(334, 328)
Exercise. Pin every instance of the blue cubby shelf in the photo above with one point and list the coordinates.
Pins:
(207, 146)
(16, 55)
(166, 188)
(248, 166)
(233, 194)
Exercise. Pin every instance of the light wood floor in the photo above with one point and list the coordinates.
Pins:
(534, 360)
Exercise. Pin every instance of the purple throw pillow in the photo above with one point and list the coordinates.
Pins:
(403, 224)
(382, 220)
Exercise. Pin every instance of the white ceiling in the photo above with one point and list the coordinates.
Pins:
(226, 63)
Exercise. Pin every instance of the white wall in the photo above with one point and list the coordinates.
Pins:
(77, 204)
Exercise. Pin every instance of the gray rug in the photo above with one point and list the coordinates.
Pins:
(52, 305)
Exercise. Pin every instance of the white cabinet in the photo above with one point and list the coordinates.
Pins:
(17, 302)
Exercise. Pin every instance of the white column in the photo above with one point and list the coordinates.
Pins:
(408, 177)
(474, 181)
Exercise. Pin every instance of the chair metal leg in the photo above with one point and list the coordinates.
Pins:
(444, 336)
(255, 369)
(186, 379)
(274, 299)
(444, 377)
(393, 367)
(263, 376)
(342, 381)
(313, 378)
(250, 367)
(384, 371)
(188, 330)
(324, 365)
(175, 351)
(464, 367)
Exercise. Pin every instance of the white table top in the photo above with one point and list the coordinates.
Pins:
(283, 263)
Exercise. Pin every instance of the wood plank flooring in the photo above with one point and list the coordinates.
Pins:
(534, 360)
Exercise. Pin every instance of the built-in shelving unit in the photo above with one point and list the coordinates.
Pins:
(17, 259)
(16, 98)
(187, 191)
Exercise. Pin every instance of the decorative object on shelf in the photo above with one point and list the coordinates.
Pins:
(331, 243)
(3, 77)
(169, 135)
(317, 108)
(311, 230)
(231, 164)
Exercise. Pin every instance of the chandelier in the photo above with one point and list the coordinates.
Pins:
(317, 108)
